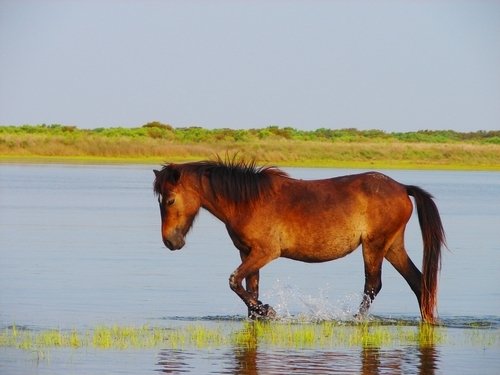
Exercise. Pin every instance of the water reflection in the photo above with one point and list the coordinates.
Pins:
(258, 359)
(175, 361)
(407, 360)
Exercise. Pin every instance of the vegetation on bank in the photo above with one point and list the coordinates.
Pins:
(157, 142)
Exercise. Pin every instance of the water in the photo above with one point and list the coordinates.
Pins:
(80, 246)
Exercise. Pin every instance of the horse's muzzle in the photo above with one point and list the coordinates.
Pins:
(174, 242)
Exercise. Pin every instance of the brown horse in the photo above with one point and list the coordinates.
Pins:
(269, 215)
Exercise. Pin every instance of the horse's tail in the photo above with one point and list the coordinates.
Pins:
(433, 238)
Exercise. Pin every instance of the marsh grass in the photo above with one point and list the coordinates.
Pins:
(28, 340)
(287, 335)
(337, 334)
(273, 145)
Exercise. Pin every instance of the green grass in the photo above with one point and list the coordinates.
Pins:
(322, 335)
(335, 334)
(157, 143)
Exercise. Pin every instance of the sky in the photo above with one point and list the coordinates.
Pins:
(388, 65)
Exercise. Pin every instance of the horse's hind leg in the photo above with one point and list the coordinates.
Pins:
(400, 260)
(373, 255)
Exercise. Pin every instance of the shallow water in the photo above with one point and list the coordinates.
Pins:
(464, 351)
(80, 246)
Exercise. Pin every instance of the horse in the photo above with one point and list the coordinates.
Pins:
(269, 215)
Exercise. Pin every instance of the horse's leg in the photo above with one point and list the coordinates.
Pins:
(400, 260)
(252, 287)
(373, 255)
(249, 269)
(251, 282)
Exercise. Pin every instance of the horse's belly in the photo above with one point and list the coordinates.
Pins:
(321, 250)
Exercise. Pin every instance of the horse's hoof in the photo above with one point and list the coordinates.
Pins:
(268, 312)
(359, 317)
(261, 311)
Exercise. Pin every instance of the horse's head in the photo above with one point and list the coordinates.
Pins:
(179, 205)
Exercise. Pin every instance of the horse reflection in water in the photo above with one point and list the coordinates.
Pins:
(269, 215)
(367, 361)
(252, 359)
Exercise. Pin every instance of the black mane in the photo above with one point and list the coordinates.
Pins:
(235, 180)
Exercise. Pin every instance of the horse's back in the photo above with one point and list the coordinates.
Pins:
(351, 192)
(377, 201)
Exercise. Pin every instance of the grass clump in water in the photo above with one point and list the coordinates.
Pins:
(288, 335)
(26, 339)
(336, 334)
(126, 337)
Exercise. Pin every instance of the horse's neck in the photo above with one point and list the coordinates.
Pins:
(224, 208)
(220, 209)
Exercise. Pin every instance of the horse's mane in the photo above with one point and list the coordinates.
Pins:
(235, 180)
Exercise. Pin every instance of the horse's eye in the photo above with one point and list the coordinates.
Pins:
(170, 201)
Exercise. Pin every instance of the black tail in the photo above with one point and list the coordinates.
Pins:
(433, 238)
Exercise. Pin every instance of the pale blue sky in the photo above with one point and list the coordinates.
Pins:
(390, 65)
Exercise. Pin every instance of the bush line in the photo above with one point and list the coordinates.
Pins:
(156, 142)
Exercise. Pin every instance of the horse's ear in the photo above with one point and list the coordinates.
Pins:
(168, 174)
(174, 176)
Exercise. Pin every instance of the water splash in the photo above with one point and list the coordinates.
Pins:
(293, 304)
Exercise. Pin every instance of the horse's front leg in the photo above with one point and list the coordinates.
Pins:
(252, 287)
(249, 270)
(251, 283)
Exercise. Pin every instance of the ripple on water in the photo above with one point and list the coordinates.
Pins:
(485, 322)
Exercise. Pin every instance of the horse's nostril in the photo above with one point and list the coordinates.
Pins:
(168, 244)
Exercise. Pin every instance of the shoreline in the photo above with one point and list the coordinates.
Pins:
(156, 143)
(307, 163)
